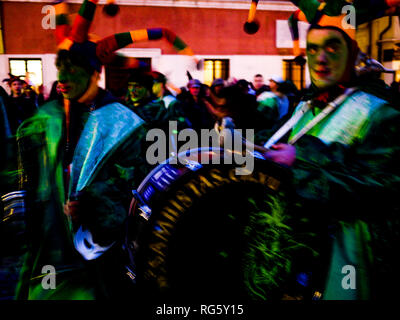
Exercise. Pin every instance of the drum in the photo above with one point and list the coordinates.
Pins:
(201, 230)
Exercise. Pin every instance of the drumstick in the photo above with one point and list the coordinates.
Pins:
(227, 124)
(251, 26)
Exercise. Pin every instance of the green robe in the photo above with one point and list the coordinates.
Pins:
(349, 178)
(108, 163)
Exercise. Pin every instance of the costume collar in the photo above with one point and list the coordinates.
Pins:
(90, 95)
(321, 98)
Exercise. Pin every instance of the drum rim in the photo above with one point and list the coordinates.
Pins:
(220, 150)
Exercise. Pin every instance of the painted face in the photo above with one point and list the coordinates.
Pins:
(16, 88)
(73, 80)
(136, 92)
(258, 82)
(327, 55)
(158, 89)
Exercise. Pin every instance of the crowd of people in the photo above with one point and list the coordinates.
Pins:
(69, 166)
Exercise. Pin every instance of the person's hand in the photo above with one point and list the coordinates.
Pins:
(227, 122)
(225, 128)
(282, 153)
(224, 123)
(71, 209)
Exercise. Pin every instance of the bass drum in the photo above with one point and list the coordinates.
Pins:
(202, 230)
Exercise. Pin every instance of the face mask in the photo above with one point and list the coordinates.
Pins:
(136, 92)
(328, 56)
(73, 80)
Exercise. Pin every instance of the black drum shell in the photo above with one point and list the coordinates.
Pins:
(194, 241)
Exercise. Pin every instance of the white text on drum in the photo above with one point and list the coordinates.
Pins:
(233, 146)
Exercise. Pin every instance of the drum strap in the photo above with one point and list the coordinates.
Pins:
(299, 114)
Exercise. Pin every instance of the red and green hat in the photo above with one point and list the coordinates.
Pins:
(102, 51)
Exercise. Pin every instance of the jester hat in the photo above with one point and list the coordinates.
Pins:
(102, 51)
(329, 14)
(12, 78)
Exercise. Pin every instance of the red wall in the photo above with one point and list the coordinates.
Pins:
(206, 31)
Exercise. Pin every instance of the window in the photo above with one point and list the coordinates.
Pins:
(28, 69)
(215, 68)
(295, 72)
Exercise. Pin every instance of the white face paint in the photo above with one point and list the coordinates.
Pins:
(83, 242)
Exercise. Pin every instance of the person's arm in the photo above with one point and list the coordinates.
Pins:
(104, 204)
(366, 175)
(213, 111)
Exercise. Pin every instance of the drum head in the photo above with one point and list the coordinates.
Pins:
(211, 233)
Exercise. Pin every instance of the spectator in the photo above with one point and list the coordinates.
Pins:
(245, 86)
(12, 214)
(273, 105)
(194, 107)
(19, 106)
(139, 95)
(217, 86)
(167, 101)
(259, 85)
(55, 93)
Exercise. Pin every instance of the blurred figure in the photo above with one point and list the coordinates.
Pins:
(395, 91)
(149, 97)
(20, 106)
(16, 85)
(273, 105)
(194, 107)
(236, 103)
(194, 87)
(217, 86)
(12, 211)
(245, 87)
(259, 85)
(139, 91)
(276, 85)
(79, 201)
(55, 93)
(165, 108)
(293, 95)
(5, 125)
(171, 108)
(29, 93)
(40, 100)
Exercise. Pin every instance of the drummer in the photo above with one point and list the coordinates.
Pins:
(343, 152)
(80, 161)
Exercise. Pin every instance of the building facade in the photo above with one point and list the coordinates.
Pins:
(212, 28)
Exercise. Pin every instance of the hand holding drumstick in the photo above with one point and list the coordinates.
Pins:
(281, 153)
